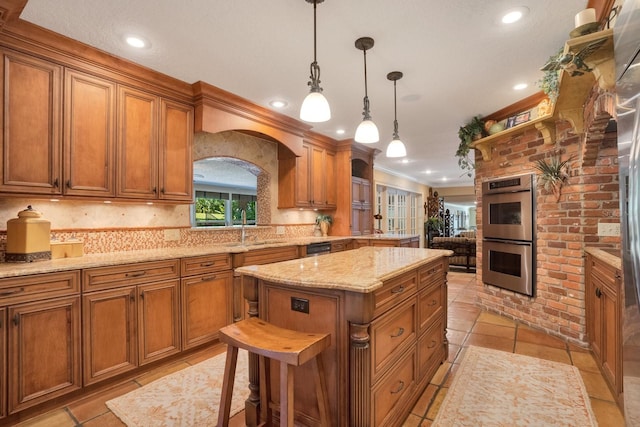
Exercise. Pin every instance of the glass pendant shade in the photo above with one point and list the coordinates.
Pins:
(396, 148)
(315, 108)
(367, 132)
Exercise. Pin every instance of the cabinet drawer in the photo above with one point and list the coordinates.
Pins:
(430, 274)
(394, 291)
(30, 288)
(129, 274)
(391, 334)
(389, 396)
(431, 348)
(340, 246)
(606, 274)
(205, 264)
(430, 304)
(265, 256)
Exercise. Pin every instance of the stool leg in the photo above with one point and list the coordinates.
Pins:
(321, 390)
(286, 394)
(265, 390)
(227, 386)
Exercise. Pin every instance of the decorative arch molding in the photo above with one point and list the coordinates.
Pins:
(217, 111)
(261, 153)
(602, 112)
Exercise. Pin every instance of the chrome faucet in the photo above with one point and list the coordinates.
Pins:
(243, 216)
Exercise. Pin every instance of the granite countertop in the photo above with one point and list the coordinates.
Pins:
(118, 258)
(386, 236)
(362, 270)
(609, 255)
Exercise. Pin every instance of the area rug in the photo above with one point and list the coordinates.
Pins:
(189, 397)
(496, 388)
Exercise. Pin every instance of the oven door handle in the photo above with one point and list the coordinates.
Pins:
(508, 242)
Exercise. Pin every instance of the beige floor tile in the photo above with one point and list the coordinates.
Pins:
(441, 373)
(412, 421)
(494, 330)
(107, 420)
(488, 341)
(543, 352)
(596, 386)
(494, 319)
(530, 335)
(607, 414)
(421, 406)
(94, 405)
(456, 337)
(584, 361)
(57, 418)
(454, 349)
(437, 402)
(205, 354)
(151, 376)
(465, 325)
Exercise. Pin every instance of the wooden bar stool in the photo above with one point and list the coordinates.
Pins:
(290, 348)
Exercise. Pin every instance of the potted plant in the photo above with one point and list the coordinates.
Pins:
(468, 133)
(550, 81)
(324, 221)
(553, 173)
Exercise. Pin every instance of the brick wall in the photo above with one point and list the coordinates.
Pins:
(564, 227)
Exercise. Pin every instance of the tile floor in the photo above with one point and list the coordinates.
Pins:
(467, 325)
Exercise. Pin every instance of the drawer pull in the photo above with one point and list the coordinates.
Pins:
(432, 344)
(398, 290)
(135, 274)
(16, 319)
(11, 292)
(206, 279)
(432, 303)
(598, 292)
(400, 332)
(399, 389)
(208, 264)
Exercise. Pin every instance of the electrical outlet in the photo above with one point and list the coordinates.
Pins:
(171, 234)
(300, 304)
(606, 229)
(280, 229)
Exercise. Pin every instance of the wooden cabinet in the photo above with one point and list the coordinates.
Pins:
(603, 316)
(31, 94)
(89, 135)
(361, 211)
(3, 363)
(341, 245)
(308, 181)
(131, 316)
(42, 333)
(71, 133)
(207, 298)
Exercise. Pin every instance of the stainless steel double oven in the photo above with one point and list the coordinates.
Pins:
(508, 228)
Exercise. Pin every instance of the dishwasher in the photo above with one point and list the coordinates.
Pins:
(319, 248)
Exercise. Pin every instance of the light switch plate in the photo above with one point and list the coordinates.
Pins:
(280, 229)
(606, 229)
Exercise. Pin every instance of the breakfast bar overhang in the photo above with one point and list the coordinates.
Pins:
(386, 311)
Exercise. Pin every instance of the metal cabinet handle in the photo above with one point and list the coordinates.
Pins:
(207, 264)
(206, 279)
(432, 303)
(11, 292)
(432, 344)
(400, 332)
(16, 319)
(135, 274)
(55, 183)
(68, 183)
(399, 389)
(398, 290)
(598, 292)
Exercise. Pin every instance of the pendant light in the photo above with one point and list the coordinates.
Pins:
(396, 147)
(315, 107)
(367, 131)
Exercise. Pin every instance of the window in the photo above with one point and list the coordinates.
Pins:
(220, 209)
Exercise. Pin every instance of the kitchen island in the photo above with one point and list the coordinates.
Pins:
(386, 311)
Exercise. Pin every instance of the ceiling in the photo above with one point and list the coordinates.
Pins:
(458, 59)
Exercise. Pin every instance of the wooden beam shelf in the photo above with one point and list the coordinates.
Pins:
(572, 94)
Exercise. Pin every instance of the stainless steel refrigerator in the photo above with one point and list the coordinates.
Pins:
(626, 38)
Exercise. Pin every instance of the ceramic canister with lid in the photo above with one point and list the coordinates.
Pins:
(28, 237)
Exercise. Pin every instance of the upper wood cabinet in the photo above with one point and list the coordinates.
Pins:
(72, 133)
(308, 181)
(89, 135)
(31, 93)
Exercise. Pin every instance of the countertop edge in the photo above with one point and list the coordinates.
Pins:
(612, 260)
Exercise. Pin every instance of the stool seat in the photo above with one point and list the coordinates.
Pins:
(290, 348)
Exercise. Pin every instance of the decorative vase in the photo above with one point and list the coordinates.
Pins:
(324, 227)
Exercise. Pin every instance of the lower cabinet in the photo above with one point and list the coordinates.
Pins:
(40, 347)
(133, 322)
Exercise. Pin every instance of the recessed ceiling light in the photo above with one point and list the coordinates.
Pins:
(444, 178)
(278, 103)
(428, 171)
(520, 86)
(514, 15)
(137, 41)
(340, 131)
(405, 160)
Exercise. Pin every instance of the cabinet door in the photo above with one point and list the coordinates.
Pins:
(3, 362)
(158, 320)
(317, 177)
(44, 351)
(611, 342)
(176, 164)
(137, 175)
(109, 334)
(207, 305)
(89, 135)
(30, 139)
(329, 180)
(302, 185)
